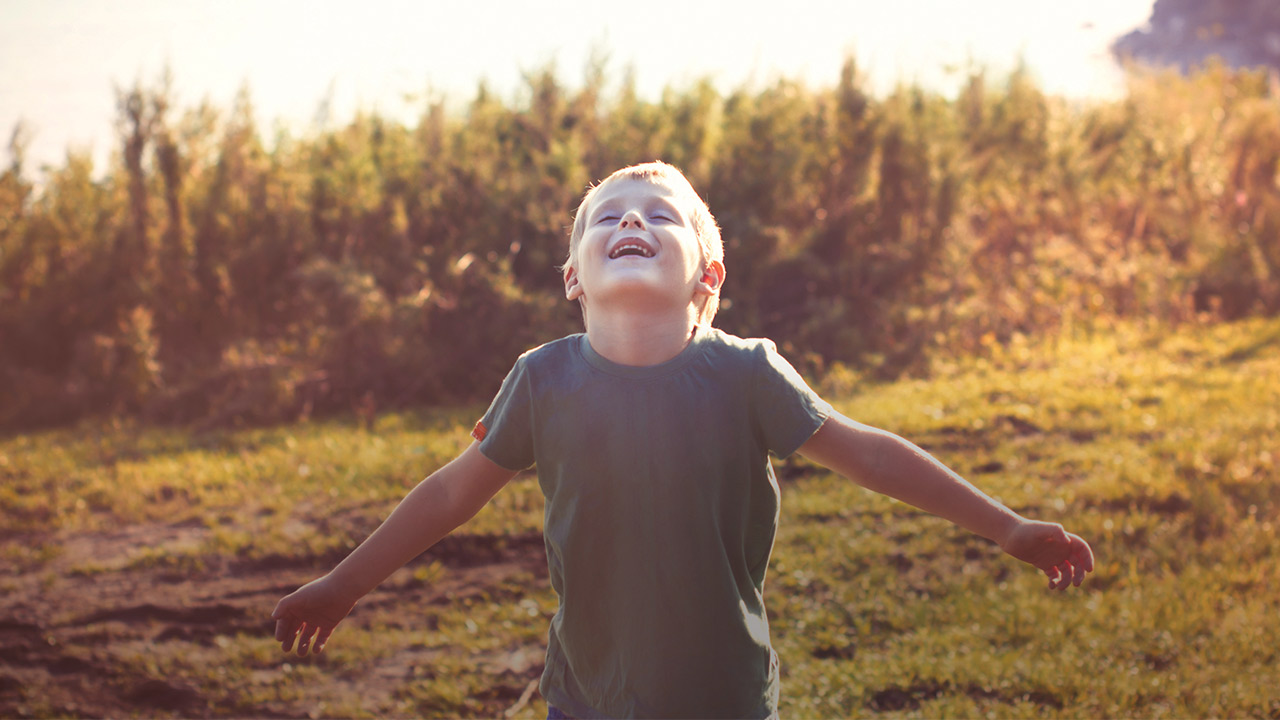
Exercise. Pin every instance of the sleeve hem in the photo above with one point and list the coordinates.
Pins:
(822, 413)
(500, 462)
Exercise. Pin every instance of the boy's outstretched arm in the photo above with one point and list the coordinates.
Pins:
(887, 464)
(447, 498)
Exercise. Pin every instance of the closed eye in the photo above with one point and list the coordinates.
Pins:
(607, 218)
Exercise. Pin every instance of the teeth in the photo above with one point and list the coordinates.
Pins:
(631, 249)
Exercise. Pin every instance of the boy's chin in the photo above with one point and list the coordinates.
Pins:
(630, 293)
(632, 278)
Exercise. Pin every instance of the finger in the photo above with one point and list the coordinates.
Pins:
(1080, 559)
(322, 639)
(1083, 551)
(279, 612)
(1068, 575)
(286, 632)
(286, 627)
(310, 639)
(1055, 575)
(304, 639)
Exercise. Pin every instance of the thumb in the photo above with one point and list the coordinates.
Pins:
(282, 607)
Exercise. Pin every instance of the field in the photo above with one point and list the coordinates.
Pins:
(138, 566)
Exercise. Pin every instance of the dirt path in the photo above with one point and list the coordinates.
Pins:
(75, 643)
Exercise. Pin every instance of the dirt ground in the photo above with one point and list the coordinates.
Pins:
(71, 643)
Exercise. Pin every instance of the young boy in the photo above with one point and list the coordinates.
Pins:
(651, 434)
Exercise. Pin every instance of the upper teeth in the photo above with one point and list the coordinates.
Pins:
(631, 246)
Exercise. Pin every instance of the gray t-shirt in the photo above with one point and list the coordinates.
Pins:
(661, 510)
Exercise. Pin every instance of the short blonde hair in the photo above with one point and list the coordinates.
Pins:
(704, 223)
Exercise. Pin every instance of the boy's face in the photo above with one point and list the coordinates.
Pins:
(639, 248)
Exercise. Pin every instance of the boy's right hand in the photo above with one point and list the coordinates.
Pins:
(309, 614)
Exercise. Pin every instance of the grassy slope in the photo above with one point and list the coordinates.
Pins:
(1158, 449)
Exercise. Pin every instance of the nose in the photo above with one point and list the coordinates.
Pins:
(632, 219)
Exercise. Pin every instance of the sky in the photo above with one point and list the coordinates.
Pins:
(62, 60)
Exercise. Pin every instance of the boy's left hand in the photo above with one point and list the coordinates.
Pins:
(1064, 557)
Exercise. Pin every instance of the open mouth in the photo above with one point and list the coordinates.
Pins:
(631, 247)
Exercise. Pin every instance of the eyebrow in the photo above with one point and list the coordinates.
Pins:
(664, 203)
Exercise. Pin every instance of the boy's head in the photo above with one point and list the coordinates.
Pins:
(692, 210)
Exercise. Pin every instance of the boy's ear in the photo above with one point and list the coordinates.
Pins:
(572, 288)
(712, 278)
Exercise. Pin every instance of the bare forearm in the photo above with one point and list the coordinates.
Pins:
(911, 475)
(446, 499)
(417, 523)
(885, 463)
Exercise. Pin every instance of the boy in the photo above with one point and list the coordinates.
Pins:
(651, 435)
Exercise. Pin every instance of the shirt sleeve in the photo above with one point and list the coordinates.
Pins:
(786, 410)
(505, 432)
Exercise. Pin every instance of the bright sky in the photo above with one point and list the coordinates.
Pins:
(60, 60)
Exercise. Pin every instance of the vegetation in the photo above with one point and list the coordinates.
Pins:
(210, 275)
(1045, 284)
(1157, 447)
(1185, 32)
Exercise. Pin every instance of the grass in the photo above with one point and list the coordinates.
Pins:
(1157, 447)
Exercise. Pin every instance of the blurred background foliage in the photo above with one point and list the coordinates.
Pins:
(213, 276)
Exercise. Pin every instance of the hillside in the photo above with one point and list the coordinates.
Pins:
(138, 567)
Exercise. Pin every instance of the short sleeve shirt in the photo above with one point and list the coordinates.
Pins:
(661, 511)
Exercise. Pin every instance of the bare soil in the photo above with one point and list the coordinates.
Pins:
(71, 642)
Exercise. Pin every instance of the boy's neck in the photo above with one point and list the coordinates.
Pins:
(639, 338)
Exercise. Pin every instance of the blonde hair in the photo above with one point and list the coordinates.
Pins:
(704, 224)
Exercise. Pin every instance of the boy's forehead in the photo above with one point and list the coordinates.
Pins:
(637, 188)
